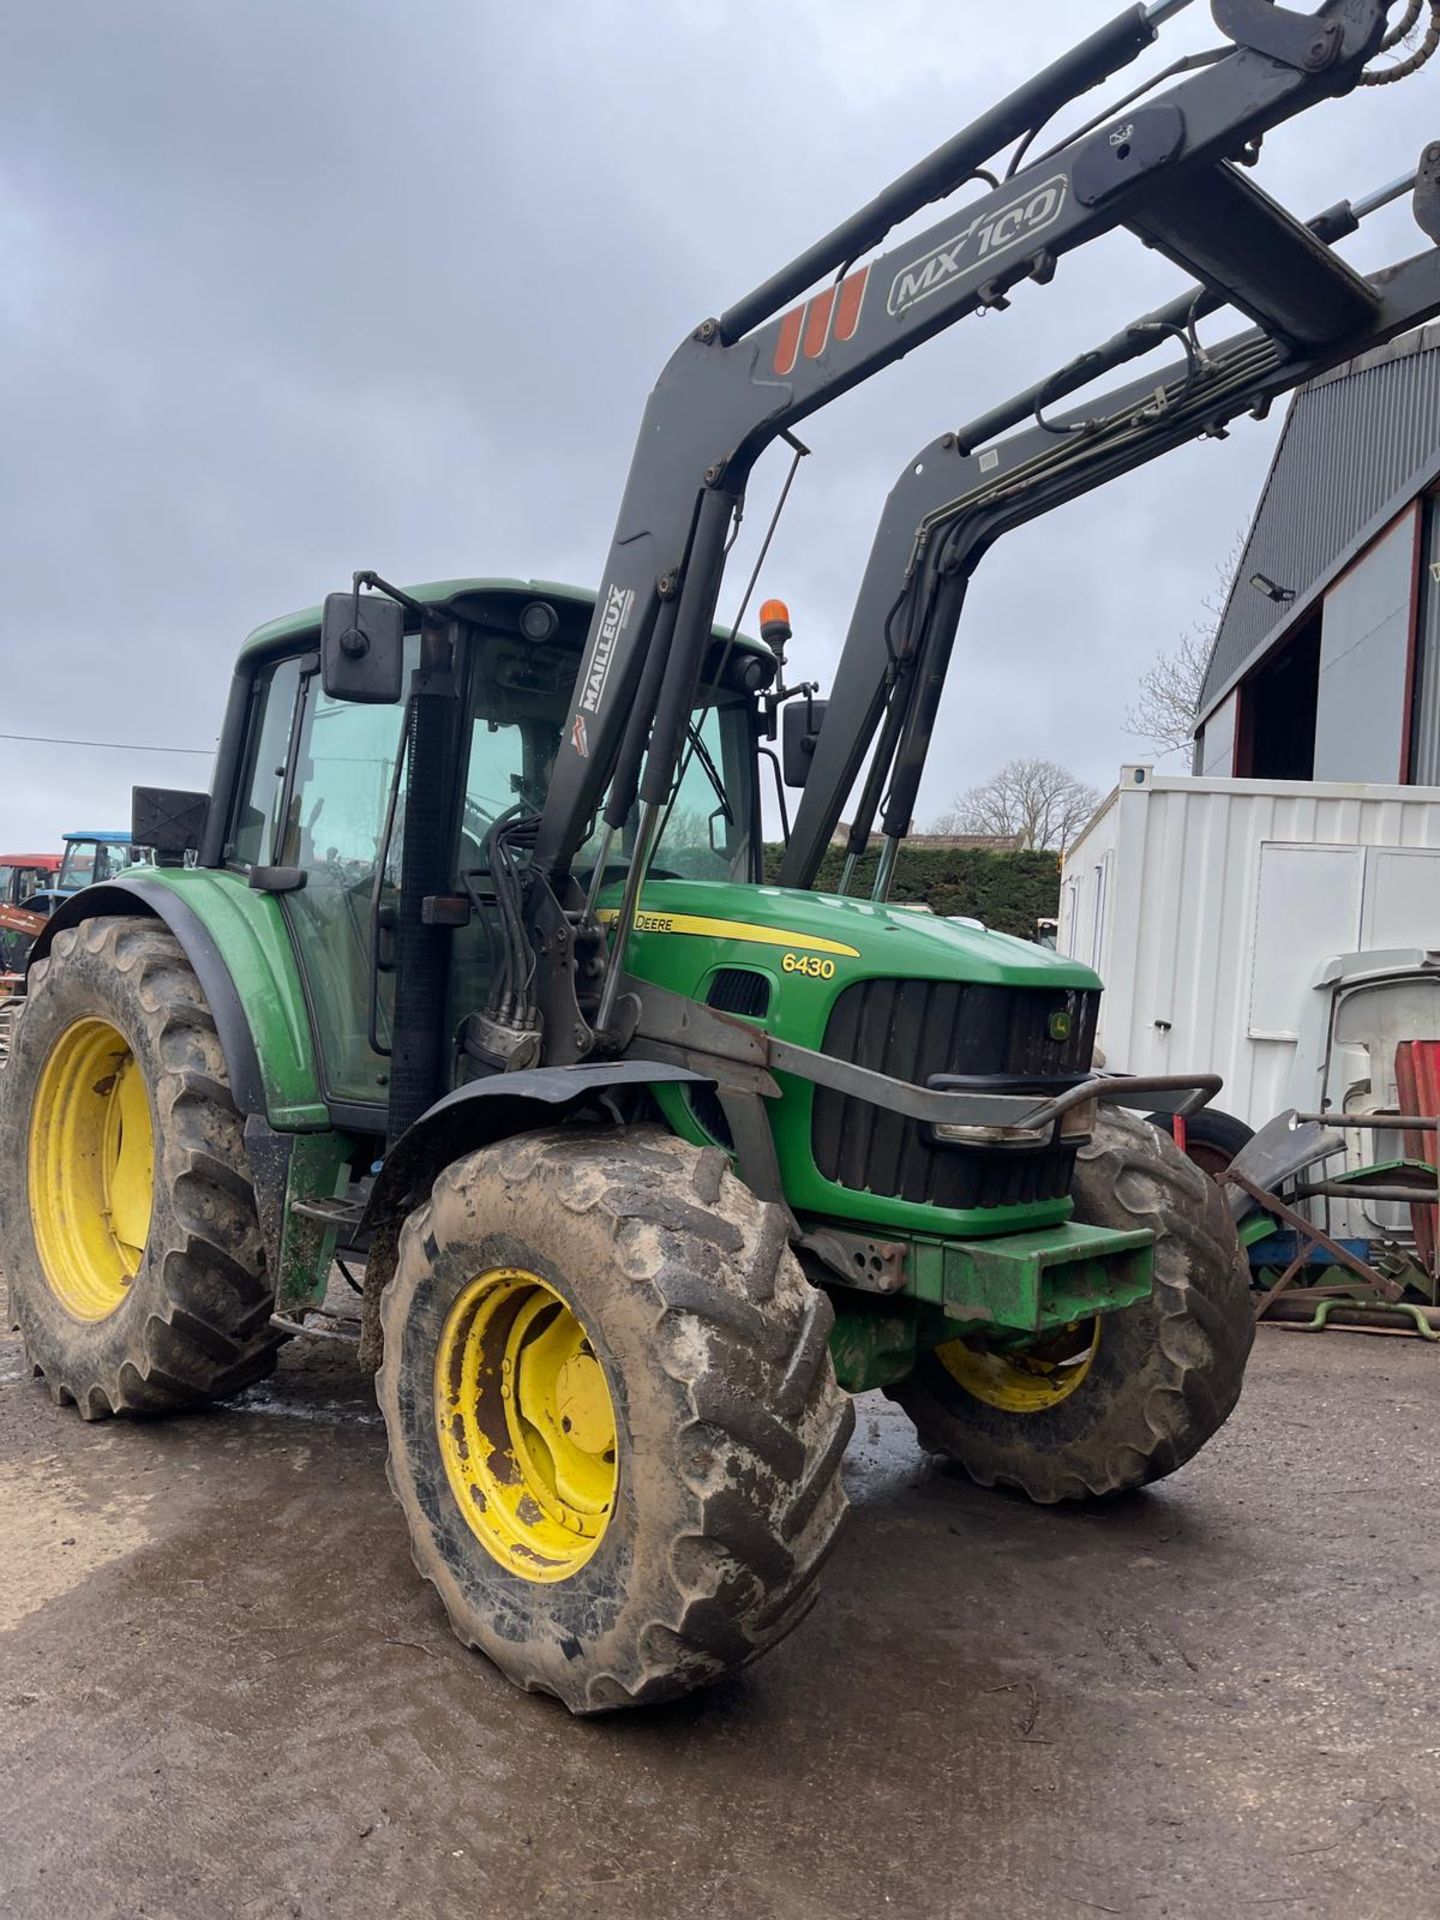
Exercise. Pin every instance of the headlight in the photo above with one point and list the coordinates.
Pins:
(994, 1136)
(1076, 1123)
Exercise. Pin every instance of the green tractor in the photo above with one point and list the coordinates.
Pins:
(465, 964)
(616, 1396)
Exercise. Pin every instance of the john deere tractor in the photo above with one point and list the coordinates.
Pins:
(465, 965)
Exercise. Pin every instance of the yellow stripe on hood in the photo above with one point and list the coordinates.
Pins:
(734, 930)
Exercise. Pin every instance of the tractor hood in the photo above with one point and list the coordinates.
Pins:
(874, 985)
(686, 928)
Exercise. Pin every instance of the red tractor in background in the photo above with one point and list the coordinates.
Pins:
(27, 898)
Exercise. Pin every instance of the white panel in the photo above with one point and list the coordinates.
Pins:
(1185, 943)
(1218, 746)
(1360, 718)
(1307, 908)
(1402, 899)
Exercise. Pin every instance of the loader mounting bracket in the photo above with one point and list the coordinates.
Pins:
(1296, 40)
(1426, 201)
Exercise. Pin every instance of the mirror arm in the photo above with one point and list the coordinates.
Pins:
(769, 753)
(776, 697)
(427, 616)
(377, 888)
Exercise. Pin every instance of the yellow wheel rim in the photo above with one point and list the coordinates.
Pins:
(91, 1168)
(526, 1425)
(1027, 1382)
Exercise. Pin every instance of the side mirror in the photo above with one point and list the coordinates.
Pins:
(362, 648)
(799, 730)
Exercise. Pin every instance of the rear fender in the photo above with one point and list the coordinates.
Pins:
(238, 945)
(236, 941)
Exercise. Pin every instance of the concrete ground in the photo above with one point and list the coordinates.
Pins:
(223, 1692)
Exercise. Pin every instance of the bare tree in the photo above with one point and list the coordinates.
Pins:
(1168, 706)
(1036, 801)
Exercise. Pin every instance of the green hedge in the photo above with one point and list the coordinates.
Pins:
(1008, 891)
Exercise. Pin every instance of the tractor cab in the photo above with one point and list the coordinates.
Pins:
(91, 857)
(27, 877)
(27, 896)
(312, 801)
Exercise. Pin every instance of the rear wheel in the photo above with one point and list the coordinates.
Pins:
(128, 1228)
(1126, 1397)
(614, 1425)
(1212, 1138)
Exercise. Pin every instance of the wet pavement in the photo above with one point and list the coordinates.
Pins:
(223, 1691)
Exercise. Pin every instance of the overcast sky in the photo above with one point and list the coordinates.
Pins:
(290, 287)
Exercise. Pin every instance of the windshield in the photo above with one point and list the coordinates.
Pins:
(77, 869)
(706, 834)
(518, 704)
(87, 861)
(519, 700)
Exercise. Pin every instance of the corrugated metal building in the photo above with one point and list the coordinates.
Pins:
(1327, 660)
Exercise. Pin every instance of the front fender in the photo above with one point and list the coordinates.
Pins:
(476, 1115)
(483, 1111)
(237, 942)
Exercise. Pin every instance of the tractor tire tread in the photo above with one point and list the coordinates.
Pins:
(211, 1334)
(1131, 1174)
(742, 1335)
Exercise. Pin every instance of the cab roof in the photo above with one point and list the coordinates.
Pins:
(49, 861)
(116, 837)
(276, 635)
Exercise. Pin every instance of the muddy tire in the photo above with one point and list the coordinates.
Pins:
(1162, 1376)
(727, 1426)
(115, 1109)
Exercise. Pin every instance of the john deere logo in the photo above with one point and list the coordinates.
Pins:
(1060, 1025)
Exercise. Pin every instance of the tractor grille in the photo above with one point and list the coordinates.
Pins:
(915, 1029)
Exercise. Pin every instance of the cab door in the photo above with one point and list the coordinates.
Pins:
(315, 795)
(338, 827)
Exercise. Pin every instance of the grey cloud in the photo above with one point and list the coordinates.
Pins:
(293, 289)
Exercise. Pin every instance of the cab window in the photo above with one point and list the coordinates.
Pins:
(708, 831)
(112, 857)
(257, 808)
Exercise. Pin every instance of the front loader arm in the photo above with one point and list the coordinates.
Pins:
(959, 494)
(1162, 168)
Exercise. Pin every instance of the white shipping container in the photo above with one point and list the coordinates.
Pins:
(1209, 908)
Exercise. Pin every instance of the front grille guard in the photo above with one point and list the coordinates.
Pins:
(742, 1059)
(1180, 1093)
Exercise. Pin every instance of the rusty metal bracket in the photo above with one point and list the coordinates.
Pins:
(1311, 1236)
(872, 1266)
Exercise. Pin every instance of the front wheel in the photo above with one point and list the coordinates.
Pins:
(614, 1425)
(1126, 1397)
